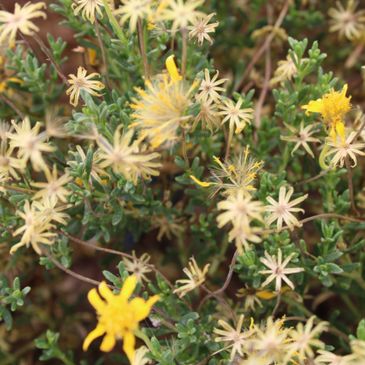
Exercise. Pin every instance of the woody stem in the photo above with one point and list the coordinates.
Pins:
(142, 48)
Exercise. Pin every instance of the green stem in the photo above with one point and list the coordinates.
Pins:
(144, 338)
(114, 23)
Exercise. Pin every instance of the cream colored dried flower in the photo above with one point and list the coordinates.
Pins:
(208, 116)
(301, 137)
(201, 28)
(182, 13)
(239, 209)
(236, 117)
(29, 143)
(281, 211)
(304, 338)
(278, 270)
(196, 278)
(341, 149)
(88, 9)
(20, 20)
(347, 21)
(138, 266)
(134, 10)
(54, 187)
(235, 337)
(286, 70)
(328, 358)
(210, 88)
(127, 157)
(83, 82)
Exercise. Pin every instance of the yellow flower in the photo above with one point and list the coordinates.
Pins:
(11, 23)
(333, 107)
(88, 8)
(126, 157)
(196, 278)
(161, 108)
(29, 143)
(118, 317)
(83, 82)
(134, 10)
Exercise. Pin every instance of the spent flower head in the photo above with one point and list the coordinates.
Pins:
(196, 277)
(83, 82)
(138, 266)
(201, 28)
(278, 270)
(134, 11)
(347, 21)
(20, 20)
(89, 9)
(281, 210)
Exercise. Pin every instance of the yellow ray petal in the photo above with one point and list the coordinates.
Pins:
(108, 343)
(97, 332)
(95, 300)
(128, 287)
(172, 69)
(105, 292)
(201, 183)
(128, 345)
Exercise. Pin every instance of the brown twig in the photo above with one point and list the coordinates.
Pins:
(46, 51)
(184, 55)
(142, 48)
(12, 106)
(350, 185)
(265, 45)
(103, 53)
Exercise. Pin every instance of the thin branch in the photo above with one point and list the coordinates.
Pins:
(142, 48)
(350, 185)
(12, 106)
(265, 45)
(184, 55)
(318, 216)
(47, 52)
(114, 252)
(103, 53)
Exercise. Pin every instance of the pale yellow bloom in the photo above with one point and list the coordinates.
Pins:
(239, 209)
(127, 157)
(36, 229)
(201, 28)
(88, 9)
(358, 352)
(97, 172)
(30, 143)
(182, 13)
(270, 340)
(210, 88)
(233, 336)
(304, 338)
(278, 270)
(20, 20)
(118, 316)
(138, 266)
(347, 21)
(134, 10)
(281, 211)
(236, 117)
(196, 278)
(341, 149)
(234, 175)
(328, 358)
(9, 165)
(83, 82)
(54, 187)
(140, 356)
(286, 70)
(333, 106)
(208, 116)
(301, 137)
(243, 234)
(162, 108)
